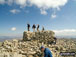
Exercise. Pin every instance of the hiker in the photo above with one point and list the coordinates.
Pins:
(46, 51)
(33, 27)
(28, 26)
(38, 27)
(43, 29)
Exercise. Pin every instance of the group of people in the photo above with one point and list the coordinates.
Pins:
(34, 27)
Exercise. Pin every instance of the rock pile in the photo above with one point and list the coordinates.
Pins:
(31, 42)
(21, 48)
(46, 37)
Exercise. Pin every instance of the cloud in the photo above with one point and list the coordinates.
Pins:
(9, 2)
(22, 3)
(14, 11)
(43, 12)
(2, 1)
(43, 5)
(13, 28)
(6, 2)
(65, 32)
(47, 4)
(53, 16)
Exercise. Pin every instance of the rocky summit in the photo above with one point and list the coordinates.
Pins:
(31, 42)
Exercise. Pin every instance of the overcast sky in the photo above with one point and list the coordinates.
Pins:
(56, 15)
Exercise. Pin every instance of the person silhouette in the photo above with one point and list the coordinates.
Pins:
(38, 27)
(43, 28)
(28, 26)
(33, 27)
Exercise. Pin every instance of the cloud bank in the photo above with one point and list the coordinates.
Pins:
(43, 5)
(46, 4)
(65, 32)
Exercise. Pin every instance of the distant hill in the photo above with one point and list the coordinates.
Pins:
(65, 36)
(3, 38)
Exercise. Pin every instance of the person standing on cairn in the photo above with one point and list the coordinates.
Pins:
(38, 27)
(28, 26)
(33, 27)
(43, 28)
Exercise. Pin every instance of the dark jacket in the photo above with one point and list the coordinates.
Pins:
(34, 26)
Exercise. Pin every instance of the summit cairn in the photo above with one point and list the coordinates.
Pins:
(46, 37)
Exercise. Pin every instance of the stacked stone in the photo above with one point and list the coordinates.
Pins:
(45, 36)
(27, 35)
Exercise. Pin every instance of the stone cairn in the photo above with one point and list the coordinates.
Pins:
(46, 37)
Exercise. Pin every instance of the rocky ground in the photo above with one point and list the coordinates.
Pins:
(30, 48)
